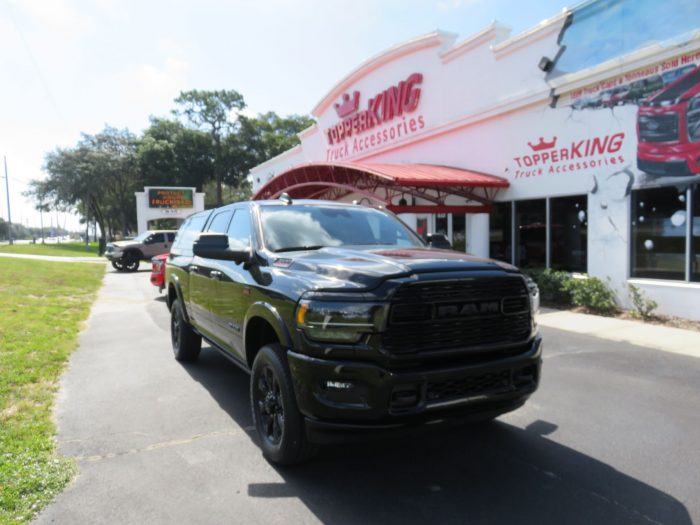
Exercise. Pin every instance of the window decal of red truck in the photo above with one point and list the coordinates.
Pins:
(668, 129)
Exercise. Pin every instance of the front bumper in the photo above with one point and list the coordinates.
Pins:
(114, 256)
(345, 400)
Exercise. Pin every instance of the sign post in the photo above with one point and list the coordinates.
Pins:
(9, 215)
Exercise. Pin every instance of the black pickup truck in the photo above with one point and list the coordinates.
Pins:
(348, 323)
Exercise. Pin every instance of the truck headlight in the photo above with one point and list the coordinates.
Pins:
(338, 321)
(534, 293)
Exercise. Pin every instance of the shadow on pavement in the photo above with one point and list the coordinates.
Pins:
(488, 473)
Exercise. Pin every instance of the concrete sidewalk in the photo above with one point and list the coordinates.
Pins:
(675, 340)
(55, 258)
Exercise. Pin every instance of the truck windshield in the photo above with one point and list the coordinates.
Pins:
(288, 228)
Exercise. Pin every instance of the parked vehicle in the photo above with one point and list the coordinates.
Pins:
(126, 255)
(158, 271)
(668, 129)
(348, 323)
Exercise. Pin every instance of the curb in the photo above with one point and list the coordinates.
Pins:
(664, 338)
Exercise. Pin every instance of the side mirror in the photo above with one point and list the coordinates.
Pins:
(215, 246)
(438, 240)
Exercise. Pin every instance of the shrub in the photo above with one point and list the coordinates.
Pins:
(592, 294)
(643, 306)
(551, 283)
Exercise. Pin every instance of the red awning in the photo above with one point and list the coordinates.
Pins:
(384, 183)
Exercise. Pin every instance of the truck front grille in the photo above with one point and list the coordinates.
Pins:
(458, 314)
(658, 128)
(468, 386)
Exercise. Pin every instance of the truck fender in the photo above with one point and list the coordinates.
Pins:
(178, 291)
(270, 314)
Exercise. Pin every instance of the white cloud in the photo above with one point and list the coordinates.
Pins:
(151, 87)
(55, 15)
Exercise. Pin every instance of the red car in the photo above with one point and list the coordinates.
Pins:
(158, 271)
(668, 127)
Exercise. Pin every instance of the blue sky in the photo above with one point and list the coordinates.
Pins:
(72, 66)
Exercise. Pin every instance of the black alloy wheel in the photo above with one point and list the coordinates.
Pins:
(118, 265)
(279, 424)
(270, 407)
(186, 342)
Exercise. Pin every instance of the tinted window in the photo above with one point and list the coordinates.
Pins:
(300, 227)
(178, 238)
(171, 237)
(156, 238)
(530, 233)
(239, 230)
(658, 233)
(569, 233)
(219, 223)
(191, 232)
(500, 228)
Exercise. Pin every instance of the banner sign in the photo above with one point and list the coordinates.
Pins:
(170, 198)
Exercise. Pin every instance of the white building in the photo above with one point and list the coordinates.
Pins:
(574, 145)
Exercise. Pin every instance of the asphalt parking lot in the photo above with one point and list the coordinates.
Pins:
(612, 436)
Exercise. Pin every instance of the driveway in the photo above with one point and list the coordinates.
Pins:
(612, 436)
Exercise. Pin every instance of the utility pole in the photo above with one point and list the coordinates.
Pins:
(41, 219)
(9, 215)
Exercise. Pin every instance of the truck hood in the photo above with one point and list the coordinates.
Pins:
(367, 268)
(123, 244)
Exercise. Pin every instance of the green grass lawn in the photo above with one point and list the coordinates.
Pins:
(65, 249)
(42, 307)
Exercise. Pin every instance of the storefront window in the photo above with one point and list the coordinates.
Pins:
(459, 238)
(422, 226)
(569, 233)
(441, 224)
(659, 233)
(695, 255)
(500, 232)
(530, 231)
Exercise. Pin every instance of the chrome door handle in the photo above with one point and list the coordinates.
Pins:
(194, 268)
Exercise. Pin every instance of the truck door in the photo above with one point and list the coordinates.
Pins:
(204, 278)
(234, 288)
(153, 245)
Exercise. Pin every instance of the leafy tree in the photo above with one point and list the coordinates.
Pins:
(211, 111)
(170, 154)
(238, 193)
(266, 136)
(97, 177)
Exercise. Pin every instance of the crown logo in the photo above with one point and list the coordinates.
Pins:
(348, 105)
(542, 144)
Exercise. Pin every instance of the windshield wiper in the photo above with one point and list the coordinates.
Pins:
(299, 248)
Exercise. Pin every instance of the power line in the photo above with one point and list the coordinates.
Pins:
(35, 63)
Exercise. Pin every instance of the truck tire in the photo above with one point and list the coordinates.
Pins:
(130, 261)
(279, 424)
(186, 342)
(118, 265)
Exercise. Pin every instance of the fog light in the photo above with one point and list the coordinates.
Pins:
(405, 396)
(338, 385)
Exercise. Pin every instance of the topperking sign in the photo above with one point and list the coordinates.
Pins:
(388, 116)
